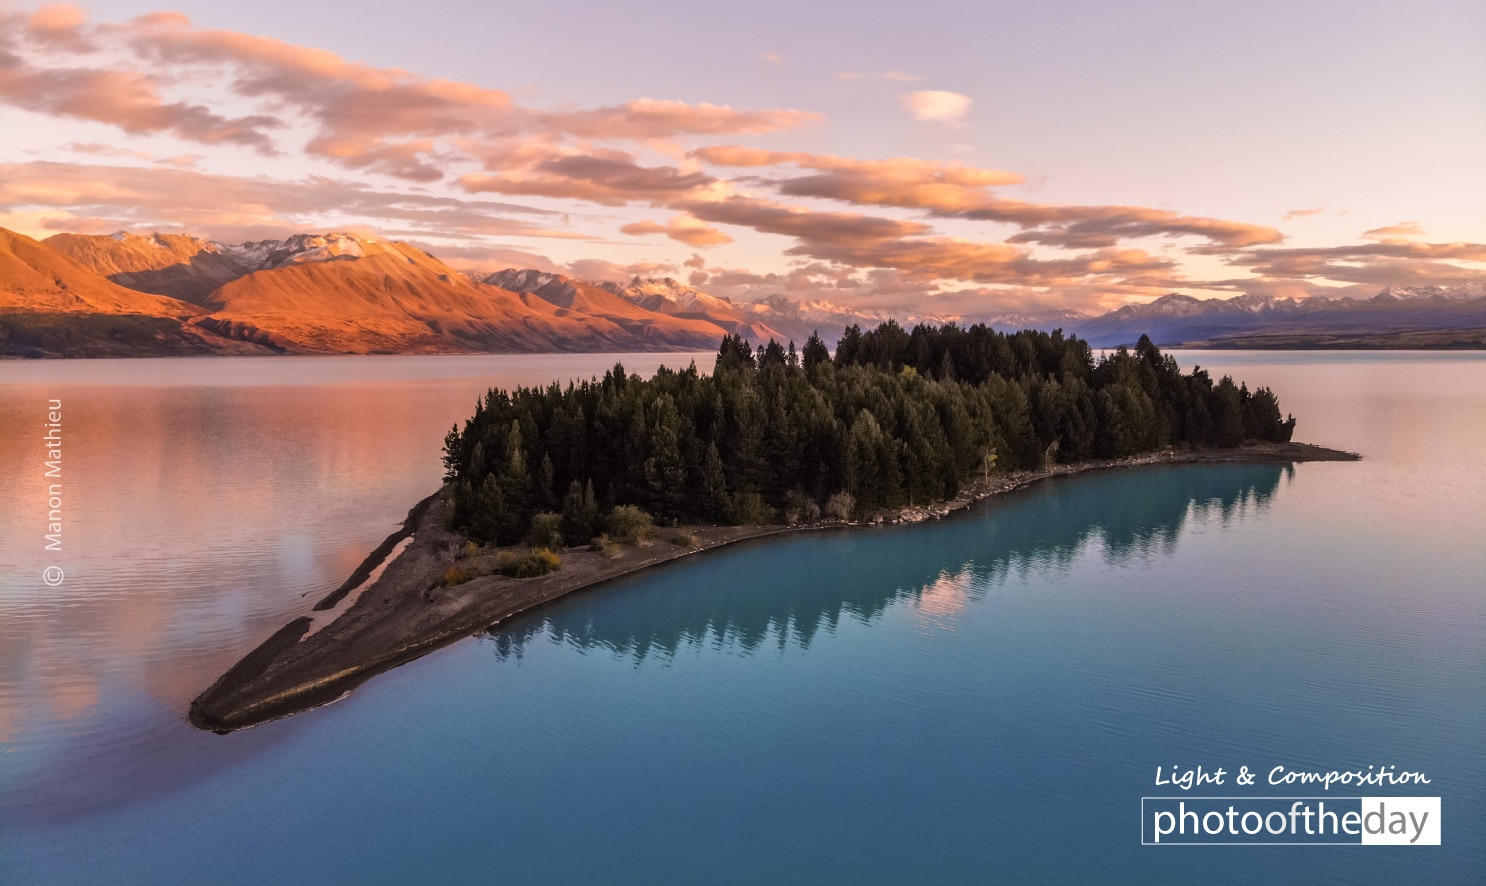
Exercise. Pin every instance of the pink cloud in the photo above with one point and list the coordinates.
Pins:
(682, 228)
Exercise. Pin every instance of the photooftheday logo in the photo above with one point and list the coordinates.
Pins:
(1302, 821)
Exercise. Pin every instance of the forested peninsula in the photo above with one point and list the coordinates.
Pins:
(894, 419)
(553, 489)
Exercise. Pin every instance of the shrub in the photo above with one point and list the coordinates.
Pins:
(631, 526)
(684, 540)
(470, 549)
(458, 575)
(538, 561)
(840, 506)
(801, 507)
(604, 546)
(546, 531)
(542, 561)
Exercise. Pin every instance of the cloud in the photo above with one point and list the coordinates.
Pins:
(1392, 233)
(233, 208)
(641, 228)
(98, 149)
(609, 272)
(875, 229)
(957, 190)
(909, 170)
(1300, 213)
(489, 259)
(611, 178)
(1394, 262)
(381, 120)
(1090, 227)
(126, 99)
(60, 27)
(937, 106)
(682, 228)
(872, 242)
(649, 118)
(811, 226)
(773, 58)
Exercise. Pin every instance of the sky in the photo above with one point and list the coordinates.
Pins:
(950, 159)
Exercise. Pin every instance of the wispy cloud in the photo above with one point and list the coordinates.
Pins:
(1403, 231)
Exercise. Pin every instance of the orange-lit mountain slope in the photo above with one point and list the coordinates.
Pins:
(174, 265)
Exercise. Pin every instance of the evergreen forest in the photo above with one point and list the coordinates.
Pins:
(893, 418)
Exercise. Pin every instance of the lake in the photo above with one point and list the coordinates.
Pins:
(981, 699)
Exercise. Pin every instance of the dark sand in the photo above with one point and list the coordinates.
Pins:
(407, 612)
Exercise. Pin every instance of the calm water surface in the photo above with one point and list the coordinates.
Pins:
(983, 699)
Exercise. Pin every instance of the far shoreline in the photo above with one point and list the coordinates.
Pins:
(406, 612)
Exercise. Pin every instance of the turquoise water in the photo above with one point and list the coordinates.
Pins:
(983, 699)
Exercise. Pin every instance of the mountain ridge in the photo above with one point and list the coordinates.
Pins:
(339, 292)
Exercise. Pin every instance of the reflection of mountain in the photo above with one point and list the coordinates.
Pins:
(796, 586)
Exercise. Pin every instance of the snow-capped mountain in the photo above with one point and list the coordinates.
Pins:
(680, 330)
(667, 296)
(1176, 318)
(1054, 318)
(262, 255)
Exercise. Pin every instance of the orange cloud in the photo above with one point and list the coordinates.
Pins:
(648, 118)
(1403, 231)
(872, 242)
(233, 208)
(809, 225)
(642, 228)
(60, 27)
(611, 178)
(937, 106)
(125, 99)
(681, 228)
(383, 120)
(962, 191)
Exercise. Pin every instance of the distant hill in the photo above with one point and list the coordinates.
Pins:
(173, 265)
(666, 296)
(579, 299)
(51, 306)
(126, 294)
(1180, 319)
(86, 295)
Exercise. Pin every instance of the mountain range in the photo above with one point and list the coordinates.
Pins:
(128, 295)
